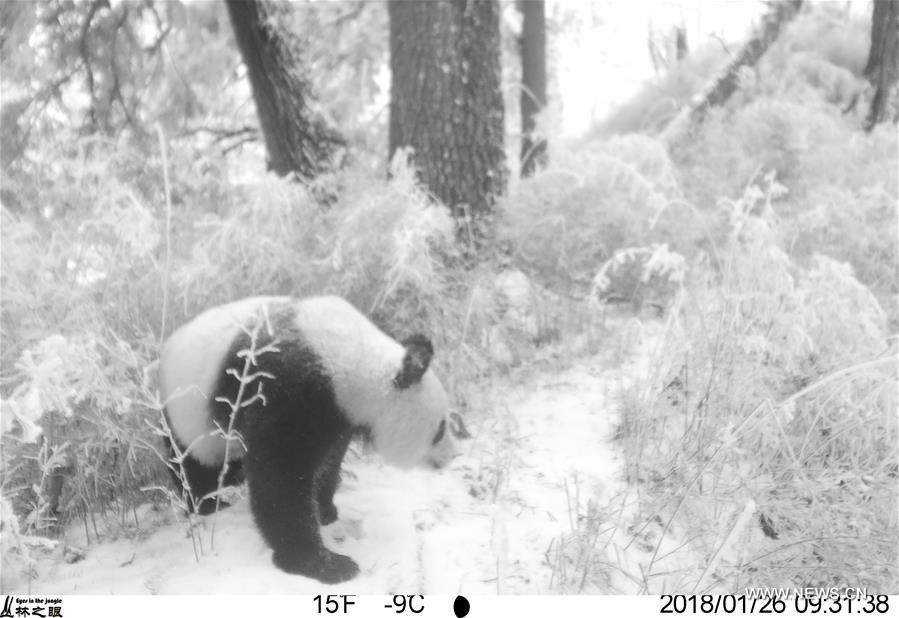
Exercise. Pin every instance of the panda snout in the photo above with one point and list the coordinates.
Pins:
(438, 463)
(441, 458)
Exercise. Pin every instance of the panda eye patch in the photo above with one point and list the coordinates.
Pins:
(440, 430)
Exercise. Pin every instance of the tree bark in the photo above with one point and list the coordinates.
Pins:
(533, 83)
(445, 100)
(719, 90)
(882, 68)
(297, 139)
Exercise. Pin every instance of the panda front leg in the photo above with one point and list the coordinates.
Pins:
(329, 478)
(282, 468)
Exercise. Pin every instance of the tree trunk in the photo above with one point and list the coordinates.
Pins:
(725, 83)
(533, 83)
(297, 139)
(882, 68)
(446, 102)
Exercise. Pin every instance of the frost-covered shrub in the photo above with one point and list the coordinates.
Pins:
(388, 245)
(94, 280)
(734, 149)
(640, 276)
(567, 220)
(828, 31)
(379, 244)
(15, 548)
(789, 117)
(74, 429)
(81, 288)
(841, 182)
(774, 388)
(661, 98)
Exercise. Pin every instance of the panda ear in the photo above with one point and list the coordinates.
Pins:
(415, 362)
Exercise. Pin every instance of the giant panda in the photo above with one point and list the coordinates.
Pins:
(322, 373)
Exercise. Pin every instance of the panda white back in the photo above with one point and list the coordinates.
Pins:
(190, 365)
(360, 360)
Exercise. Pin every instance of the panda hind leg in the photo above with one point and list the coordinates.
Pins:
(282, 476)
(203, 480)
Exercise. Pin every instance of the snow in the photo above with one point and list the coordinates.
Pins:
(493, 522)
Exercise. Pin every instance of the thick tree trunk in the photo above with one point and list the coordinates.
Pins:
(882, 69)
(445, 99)
(533, 83)
(296, 138)
(726, 82)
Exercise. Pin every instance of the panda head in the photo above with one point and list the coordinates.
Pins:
(414, 426)
(385, 388)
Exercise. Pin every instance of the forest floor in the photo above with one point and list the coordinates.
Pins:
(512, 514)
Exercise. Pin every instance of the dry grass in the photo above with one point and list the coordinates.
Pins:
(777, 387)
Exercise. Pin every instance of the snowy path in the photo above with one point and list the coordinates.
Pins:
(487, 525)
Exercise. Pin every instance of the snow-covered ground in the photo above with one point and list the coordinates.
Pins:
(499, 520)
